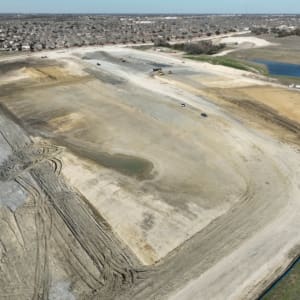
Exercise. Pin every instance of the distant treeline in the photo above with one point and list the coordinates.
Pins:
(279, 32)
(283, 33)
(202, 47)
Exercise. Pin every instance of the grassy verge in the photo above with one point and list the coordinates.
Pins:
(288, 288)
(230, 62)
(286, 80)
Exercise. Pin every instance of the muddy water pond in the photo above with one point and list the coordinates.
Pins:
(128, 165)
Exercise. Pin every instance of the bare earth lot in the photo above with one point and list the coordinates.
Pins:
(110, 188)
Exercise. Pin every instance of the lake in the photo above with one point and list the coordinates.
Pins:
(279, 68)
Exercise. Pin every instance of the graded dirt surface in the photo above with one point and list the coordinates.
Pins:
(284, 102)
(121, 183)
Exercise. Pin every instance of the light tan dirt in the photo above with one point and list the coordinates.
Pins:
(285, 102)
(150, 199)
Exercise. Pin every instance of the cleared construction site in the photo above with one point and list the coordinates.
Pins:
(130, 174)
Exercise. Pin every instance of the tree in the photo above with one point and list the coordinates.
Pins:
(161, 43)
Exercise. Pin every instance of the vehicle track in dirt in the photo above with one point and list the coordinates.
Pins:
(66, 218)
(36, 169)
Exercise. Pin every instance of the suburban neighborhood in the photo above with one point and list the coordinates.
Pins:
(39, 32)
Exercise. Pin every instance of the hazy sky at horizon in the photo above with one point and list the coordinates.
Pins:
(153, 6)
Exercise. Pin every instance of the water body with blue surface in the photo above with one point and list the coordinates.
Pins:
(280, 68)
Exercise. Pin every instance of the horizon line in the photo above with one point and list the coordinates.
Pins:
(148, 13)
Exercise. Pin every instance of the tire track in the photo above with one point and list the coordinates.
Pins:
(37, 167)
(42, 274)
(117, 266)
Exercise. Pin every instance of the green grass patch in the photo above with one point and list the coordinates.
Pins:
(230, 62)
(288, 288)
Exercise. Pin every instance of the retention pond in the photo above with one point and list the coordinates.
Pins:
(280, 68)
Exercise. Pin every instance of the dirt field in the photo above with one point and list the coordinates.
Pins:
(284, 102)
(121, 183)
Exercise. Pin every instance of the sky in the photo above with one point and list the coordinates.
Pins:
(150, 6)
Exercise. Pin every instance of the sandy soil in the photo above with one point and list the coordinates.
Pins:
(243, 43)
(285, 102)
(150, 199)
(255, 41)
